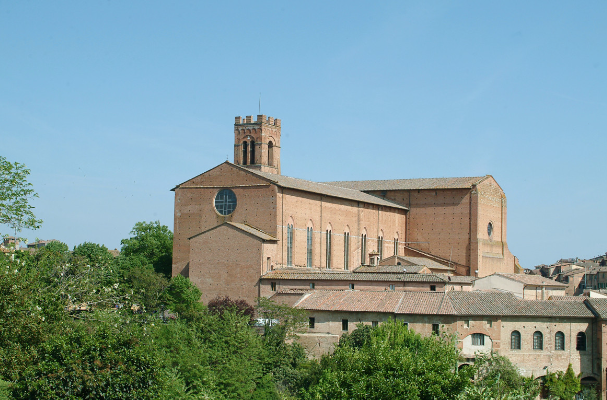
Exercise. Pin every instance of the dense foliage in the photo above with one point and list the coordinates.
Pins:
(86, 324)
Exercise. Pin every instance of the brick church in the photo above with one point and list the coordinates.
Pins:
(242, 229)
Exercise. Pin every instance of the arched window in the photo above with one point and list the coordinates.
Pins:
(346, 250)
(538, 340)
(515, 340)
(271, 155)
(245, 151)
(559, 341)
(289, 245)
(252, 152)
(328, 243)
(580, 343)
(396, 246)
(363, 248)
(309, 237)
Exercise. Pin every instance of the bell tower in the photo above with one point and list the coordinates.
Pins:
(257, 143)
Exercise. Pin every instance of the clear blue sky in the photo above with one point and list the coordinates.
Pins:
(113, 103)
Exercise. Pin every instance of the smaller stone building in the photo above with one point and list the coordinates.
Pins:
(528, 287)
(536, 335)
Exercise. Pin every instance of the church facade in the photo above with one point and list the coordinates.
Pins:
(239, 222)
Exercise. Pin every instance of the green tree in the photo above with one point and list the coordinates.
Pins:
(15, 196)
(182, 296)
(562, 385)
(94, 253)
(393, 363)
(497, 377)
(151, 244)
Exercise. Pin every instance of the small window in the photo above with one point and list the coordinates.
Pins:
(351, 286)
(467, 323)
(433, 288)
(478, 339)
(538, 341)
(435, 329)
(515, 340)
(490, 229)
(374, 324)
(273, 286)
(580, 343)
(559, 341)
(311, 322)
(391, 286)
(312, 285)
(344, 324)
(489, 323)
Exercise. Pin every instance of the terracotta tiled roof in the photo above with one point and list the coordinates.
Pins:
(599, 306)
(568, 298)
(323, 188)
(411, 184)
(350, 300)
(536, 280)
(457, 279)
(425, 303)
(445, 303)
(409, 269)
(325, 275)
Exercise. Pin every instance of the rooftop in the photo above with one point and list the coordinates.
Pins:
(339, 275)
(442, 303)
(536, 280)
(412, 184)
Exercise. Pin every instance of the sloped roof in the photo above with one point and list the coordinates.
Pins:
(408, 269)
(424, 303)
(322, 188)
(332, 275)
(242, 227)
(475, 303)
(599, 306)
(350, 300)
(536, 280)
(412, 184)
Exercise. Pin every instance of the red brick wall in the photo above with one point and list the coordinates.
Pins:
(195, 211)
(226, 261)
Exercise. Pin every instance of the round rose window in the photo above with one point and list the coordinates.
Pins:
(225, 202)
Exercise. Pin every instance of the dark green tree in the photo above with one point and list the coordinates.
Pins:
(150, 244)
(393, 363)
(94, 253)
(562, 385)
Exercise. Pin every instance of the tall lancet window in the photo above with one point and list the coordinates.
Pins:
(290, 245)
(245, 152)
(271, 154)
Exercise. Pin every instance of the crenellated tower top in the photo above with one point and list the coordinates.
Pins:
(257, 143)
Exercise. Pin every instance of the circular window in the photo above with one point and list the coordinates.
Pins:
(490, 229)
(225, 202)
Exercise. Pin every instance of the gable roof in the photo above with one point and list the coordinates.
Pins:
(244, 228)
(321, 188)
(412, 184)
(309, 186)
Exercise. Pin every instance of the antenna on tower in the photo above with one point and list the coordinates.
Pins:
(260, 103)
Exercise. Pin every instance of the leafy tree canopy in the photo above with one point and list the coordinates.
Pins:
(94, 253)
(151, 243)
(393, 363)
(15, 196)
